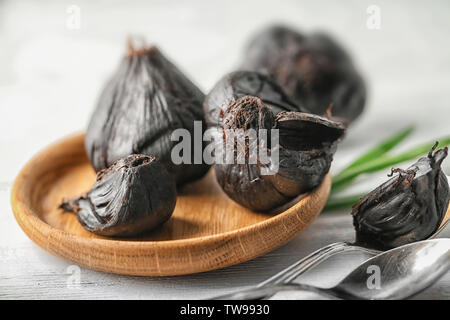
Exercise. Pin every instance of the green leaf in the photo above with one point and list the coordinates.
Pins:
(379, 150)
(383, 162)
(344, 202)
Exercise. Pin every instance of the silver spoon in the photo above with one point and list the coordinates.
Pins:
(395, 274)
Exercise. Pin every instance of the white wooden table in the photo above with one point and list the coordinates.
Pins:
(51, 72)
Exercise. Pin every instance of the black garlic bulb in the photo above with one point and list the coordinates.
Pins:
(408, 207)
(134, 195)
(312, 69)
(296, 161)
(144, 102)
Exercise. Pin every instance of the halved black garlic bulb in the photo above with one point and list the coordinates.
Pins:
(312, 69)
(408, 207)
(294, 163)
(133, 195)
(144, 102)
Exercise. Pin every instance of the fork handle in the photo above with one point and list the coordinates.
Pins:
(273, 284)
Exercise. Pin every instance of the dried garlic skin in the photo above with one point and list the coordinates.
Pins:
(408, 207)
(306, 146)
(134, 195)
(313, 70)
(142, 104)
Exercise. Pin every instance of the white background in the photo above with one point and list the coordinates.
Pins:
(50, 77)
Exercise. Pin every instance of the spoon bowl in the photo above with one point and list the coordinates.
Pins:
(398, 273)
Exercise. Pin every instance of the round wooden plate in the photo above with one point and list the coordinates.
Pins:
(207, 230)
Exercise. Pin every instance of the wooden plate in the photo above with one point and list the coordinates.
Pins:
(207, 230)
